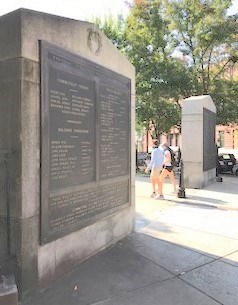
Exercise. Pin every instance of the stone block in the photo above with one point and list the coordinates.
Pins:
(38, 265)
(71, 35)
(10, 118)
(80, 245)
(30, 71)
(194, 105)
(8, 291)
(3, 238)
(133, 145)
(47, 264)
(24, 242)
(30, 137)
(10, 34)
(10, 70)
(192, 135)
(195, 177)
(198, 141)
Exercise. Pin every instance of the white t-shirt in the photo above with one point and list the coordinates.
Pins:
(167, 158)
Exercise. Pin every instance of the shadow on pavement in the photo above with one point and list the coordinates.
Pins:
(140, 270)
(205, 199)
(195, 205)
(162, 264)
(142, 221)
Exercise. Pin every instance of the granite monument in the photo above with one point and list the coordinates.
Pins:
(67, 99)
(198, 141)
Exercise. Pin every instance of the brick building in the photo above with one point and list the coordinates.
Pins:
(145, 142)
(226, 137)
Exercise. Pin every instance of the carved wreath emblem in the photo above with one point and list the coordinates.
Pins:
(94, 41)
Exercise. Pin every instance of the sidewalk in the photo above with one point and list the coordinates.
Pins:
(184, 252)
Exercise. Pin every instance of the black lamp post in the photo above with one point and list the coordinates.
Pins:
(181, 190)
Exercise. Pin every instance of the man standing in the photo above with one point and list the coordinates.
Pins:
(155, 165)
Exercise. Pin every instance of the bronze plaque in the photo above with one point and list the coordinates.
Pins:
(85, 142)
(209, 140)
(114, 129)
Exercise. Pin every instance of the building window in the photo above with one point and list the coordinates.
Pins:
(221, 138)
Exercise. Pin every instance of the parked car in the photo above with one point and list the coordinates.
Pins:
(142, 160)
(226, 162)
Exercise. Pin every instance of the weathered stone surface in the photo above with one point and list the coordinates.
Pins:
(20, 119)
(24, 245)
(8, 291)
(196, 172)
(10, 35)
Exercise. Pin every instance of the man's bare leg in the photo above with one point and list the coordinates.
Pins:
(153, 183)
(152, 180)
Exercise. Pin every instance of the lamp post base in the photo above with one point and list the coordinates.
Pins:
(181, 193)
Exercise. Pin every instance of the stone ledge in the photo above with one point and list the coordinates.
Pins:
(8, 291)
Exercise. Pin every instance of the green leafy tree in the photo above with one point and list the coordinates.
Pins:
(206, 40)
(156, 115)
(114, 29)
(160, 79)
(207, 37)
(225, 95)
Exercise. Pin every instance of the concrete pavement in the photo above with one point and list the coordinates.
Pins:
(184, 252)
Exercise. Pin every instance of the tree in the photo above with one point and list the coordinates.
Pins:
(147, 49)
(225, 95)
(204, 36)
(202, 31)
(142, 38)
(157, 116)
(114, 29)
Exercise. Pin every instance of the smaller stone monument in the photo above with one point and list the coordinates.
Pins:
(198, 141)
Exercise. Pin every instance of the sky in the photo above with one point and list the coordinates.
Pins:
(77, 9)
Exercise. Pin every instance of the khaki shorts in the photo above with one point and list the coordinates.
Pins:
(155, 173)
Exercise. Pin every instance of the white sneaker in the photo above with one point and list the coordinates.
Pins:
(159, 197)
(153, 195)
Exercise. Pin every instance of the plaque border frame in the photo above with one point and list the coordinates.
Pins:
(45, 235)
(206, 163)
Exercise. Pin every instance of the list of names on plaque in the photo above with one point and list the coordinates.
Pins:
(85, 142)
(72, 138)
(114, 125)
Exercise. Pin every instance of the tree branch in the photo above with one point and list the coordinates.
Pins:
(222, 69)
(208, 69)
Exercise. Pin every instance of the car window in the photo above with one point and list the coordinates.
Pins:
(226, 157)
